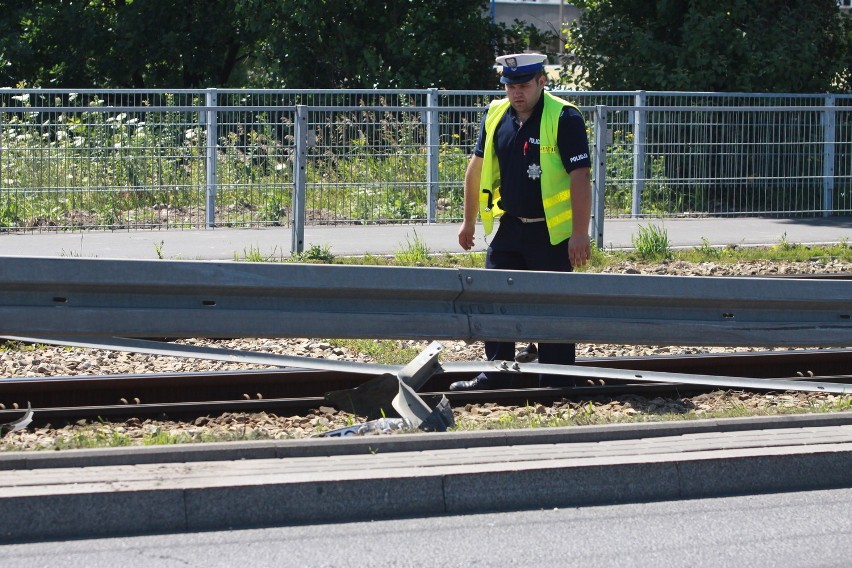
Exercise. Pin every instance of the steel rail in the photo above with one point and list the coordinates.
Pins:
(165, 410)
(303, 405)
(817, 276)
(139, 391)
(79, 297)
(262, 384)
(175, 410)
(180, 396)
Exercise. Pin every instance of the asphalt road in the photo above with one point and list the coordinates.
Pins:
(786, 530)
(276, 242)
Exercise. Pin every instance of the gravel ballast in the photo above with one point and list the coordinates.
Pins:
(46, 361)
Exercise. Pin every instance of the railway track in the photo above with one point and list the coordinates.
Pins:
(295, 390)
(184, 396)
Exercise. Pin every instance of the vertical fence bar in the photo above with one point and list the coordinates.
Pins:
(640, 118)
(829, 122)
(212, 132)
(432, 154)
(300, 165)
(599, 173)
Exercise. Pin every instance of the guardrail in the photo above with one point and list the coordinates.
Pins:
(79, 297)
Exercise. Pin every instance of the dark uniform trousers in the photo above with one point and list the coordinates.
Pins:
(526, 246)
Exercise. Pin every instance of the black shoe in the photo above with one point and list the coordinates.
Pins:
(528, 354)
(480, 382)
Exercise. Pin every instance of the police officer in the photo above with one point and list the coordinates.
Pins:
(530, 167)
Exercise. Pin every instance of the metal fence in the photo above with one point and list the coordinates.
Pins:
(130, 159)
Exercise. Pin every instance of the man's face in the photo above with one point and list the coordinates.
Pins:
(524, 96)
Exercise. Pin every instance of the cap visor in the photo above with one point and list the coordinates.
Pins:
(511, 80)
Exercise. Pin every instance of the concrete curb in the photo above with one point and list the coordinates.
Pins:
(417, 442)
(385, 477)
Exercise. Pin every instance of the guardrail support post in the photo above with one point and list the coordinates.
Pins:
(300, 165)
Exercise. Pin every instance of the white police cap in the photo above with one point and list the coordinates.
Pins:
(520, 67)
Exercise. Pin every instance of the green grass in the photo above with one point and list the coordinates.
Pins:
(414, 252)
(315, 253)
(782, 251)
(651, 246)
(587, 413)
(385, 351)
(104, 436)
(652, 243)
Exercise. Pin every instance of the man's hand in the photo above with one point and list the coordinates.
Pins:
(466, 232)
(471, 201)
(579, 249)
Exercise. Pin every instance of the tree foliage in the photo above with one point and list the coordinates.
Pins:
(365, 44)
(712, 45)
(122, 43)
(253, 43)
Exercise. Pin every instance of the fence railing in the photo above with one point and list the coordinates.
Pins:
(128, 159)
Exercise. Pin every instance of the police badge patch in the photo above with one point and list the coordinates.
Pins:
(534, 171)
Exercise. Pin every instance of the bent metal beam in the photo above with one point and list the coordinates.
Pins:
(426, 364)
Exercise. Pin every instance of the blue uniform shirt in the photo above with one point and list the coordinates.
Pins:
(517, 149)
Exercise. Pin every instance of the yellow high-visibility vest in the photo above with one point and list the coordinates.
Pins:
(555, 181)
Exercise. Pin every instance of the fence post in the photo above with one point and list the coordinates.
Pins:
(432, 154)
(212, 135)
(640, 118)
(829, 138)
(299, 179)
(1, 154)
(599, 171)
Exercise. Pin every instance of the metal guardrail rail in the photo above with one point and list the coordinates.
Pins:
(81, 297)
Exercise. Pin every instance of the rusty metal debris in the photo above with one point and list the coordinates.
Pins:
(394, 396)
(378, 426)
